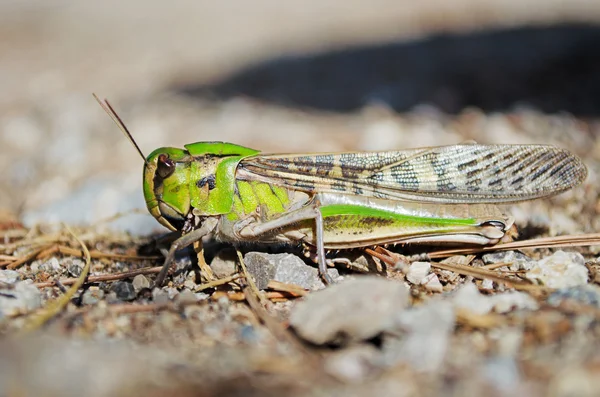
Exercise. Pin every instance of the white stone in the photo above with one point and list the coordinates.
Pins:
(432, 283)
(417, 272)
(560, 270)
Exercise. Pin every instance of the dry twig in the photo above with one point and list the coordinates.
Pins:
(58, 304)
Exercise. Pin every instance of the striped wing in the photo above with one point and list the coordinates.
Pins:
(466, 173)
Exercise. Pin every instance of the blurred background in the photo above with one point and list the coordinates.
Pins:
(276, 76)
(286, 76)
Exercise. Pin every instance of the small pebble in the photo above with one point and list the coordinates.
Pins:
(75, 267)
(560, 270)
(487, 284)
(351, 310)
(426, 332)
(111, 298)
(248, 334)
(160, 297)
(354, 364)
(514, 260)
(172, 292)
(186, 296)
(189, 284)
(9, 276)
(140, 282)
(588, 294)
(224, 263)
(469, 298)
(92, 296)
(417, 272)
(123, 290)
(20, 297)
(513, 300)
(432, 283)
(502, 372)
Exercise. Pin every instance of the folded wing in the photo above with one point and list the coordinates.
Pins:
(466, 173)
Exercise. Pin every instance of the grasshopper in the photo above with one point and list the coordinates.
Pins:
(433, 195)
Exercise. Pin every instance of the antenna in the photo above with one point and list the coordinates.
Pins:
(115, 117)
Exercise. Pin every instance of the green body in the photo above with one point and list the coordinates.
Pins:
(242, 187)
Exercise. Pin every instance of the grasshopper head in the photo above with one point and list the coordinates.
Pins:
(166, 186)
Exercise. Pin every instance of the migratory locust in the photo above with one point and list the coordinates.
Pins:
(433, 195)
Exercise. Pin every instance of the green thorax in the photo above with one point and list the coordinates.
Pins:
(216, 191)
(212, 182)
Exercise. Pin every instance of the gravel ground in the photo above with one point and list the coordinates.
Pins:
(329, 77)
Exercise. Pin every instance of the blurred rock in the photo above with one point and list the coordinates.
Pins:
(224, 263)
(160, 297)
(92, 296)
(354, 364)
(560, 270)
(124, 290)
(588, 294)
(9, 276)
(19, 298)
(469, 298)
(186, 297)
(351, 310)
(513, 300)
(424, 341)
(502, 372)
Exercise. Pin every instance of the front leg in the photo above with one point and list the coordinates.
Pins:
(311, 211)
(207, 226)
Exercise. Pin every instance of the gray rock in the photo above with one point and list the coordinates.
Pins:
(262, 267)
(469, 298)
(515, 260)
(111, 298)
(123, 290)
(248, 334)
(140, 282)
(224, 263)
(502, 372)
(9, 276)
(588, 294)
(560, 270)
(160, 297)
(513, 300)
(354, 364)
(20, 297)
(351, 310)
(286, 268)
(92, 296)
(427, 330)
(75, 267)
(186, 296)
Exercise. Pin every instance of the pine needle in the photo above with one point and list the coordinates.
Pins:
(54, 307)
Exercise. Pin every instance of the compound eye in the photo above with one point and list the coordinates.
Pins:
(165, 166)
(496, 224)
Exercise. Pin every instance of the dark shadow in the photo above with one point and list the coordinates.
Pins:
(552, 69)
